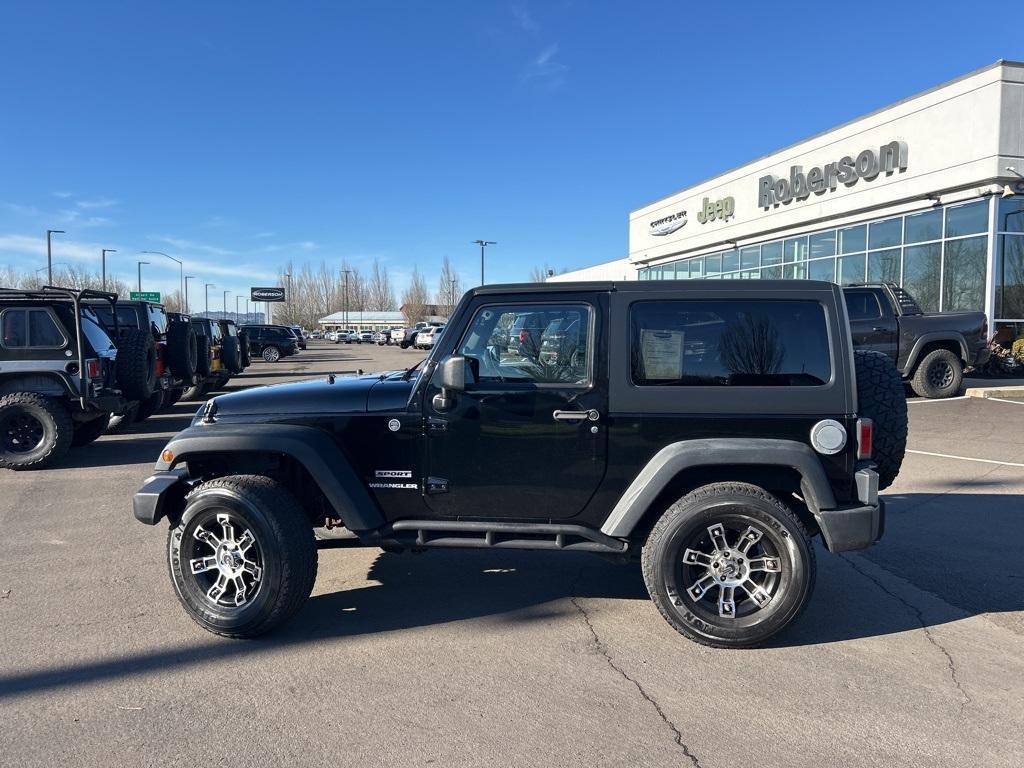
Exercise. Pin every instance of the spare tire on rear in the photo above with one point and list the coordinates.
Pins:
(182, 351)
(881, 398)
(136, 364)
(231, 355)
(243, 348)
(203, 355)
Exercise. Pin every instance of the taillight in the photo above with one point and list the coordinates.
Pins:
(523, 336)
(92, 369)
(865, 438)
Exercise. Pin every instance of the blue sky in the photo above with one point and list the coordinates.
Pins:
(240, 135)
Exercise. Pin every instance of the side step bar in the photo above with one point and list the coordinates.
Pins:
(482, 535)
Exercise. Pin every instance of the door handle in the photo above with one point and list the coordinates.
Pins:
(591, 415)
(879, 329)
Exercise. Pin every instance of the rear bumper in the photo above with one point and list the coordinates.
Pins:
(162, 494)
(859, 526)
(982, 356)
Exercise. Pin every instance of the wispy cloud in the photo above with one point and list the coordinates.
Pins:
(100, 202)
(63, 195)
(545, 70)
(183, 244)
(524, 19)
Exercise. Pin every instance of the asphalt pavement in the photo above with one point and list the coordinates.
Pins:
(910, 653)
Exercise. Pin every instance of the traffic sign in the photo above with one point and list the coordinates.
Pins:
(150, 296)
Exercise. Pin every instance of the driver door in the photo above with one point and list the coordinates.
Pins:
(527, 437)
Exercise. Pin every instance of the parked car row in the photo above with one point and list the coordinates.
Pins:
(75, 364)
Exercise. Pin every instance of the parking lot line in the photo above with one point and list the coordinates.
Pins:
(1005, 400)
(938, 400)
(966, 458)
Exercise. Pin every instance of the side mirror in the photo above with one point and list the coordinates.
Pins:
(453, 374)
(453, 379)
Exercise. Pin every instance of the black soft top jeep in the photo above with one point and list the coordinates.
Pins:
(708, 428)
(58, 383)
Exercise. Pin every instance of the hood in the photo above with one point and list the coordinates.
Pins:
(330, 394)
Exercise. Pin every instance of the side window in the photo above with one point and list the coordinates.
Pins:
(536, 343)
(158, 321)
(862, 305)
(30, 328)
(725, 342)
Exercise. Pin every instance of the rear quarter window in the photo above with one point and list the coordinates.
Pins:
(729, 342)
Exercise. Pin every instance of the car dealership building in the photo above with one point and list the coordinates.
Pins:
(927, 193)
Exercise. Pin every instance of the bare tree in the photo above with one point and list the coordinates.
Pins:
(448, 288)
(415, 298)
(539, 274)
(751, 346)
(381, 295)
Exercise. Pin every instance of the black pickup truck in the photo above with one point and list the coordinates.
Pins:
(931, 351)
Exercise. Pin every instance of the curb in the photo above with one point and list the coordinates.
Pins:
(985, 392)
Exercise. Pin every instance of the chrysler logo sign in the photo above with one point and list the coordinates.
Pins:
(666, 225)
(266, 294)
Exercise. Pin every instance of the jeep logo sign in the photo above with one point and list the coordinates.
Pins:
(266, 294)
(799, 186)
(719, 209)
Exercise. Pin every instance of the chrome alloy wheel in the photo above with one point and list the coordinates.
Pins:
(228, 568)
(750, 564)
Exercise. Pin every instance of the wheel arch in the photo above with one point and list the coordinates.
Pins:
(784, 467)
(291, 453)
(929, 342)
(40, 382)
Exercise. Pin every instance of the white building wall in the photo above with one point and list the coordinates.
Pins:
(620, 269)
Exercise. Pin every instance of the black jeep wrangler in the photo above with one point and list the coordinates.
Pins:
(58, 375)
(709, 429)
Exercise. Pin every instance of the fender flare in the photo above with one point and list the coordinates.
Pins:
(313, 448)
(915, 352)
(676, 457)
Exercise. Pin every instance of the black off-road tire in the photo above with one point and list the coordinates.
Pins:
(881, 398)
(202, 355)
(173, 396)
(136, 364)
(940, 373)
(119, 422)
(197, 393)
(88, 431)
(231, 354)
(785, 546)
(49, 422)
(148, 407)
(284, 544)
(243, 347)
(182, 351)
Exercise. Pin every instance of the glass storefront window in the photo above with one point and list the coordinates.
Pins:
(771, 254)
(921, 267)
(697, 267)
(713, 264)
(964, 263)
(969, 219)
(822, 269)
(851, 269)
(795, 249)
(823, 244)
(924, 226)
(884, 266)
(1010, 278)
(730, 261)
(750, 257)
(885, 234)
(853, 239)
(1011, 215)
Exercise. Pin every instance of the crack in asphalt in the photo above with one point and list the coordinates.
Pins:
(919, 614)
(602, 648)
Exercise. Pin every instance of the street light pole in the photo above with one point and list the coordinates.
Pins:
(140, 263)
(187, 278)
(346, 273)
(451, 296)
(288, 297)
(483, 244)
(181, 266)
(208, 287)
(226, 304)
(49, 254)
(103, 260)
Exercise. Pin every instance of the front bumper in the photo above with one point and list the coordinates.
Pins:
(162, 495)
(859, 526)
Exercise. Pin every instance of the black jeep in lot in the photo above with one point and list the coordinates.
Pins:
(59, 374)
(709, 429)
(930, 350)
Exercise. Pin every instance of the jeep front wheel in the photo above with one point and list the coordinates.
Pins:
(35, 430)
(243, 558)
(729, 565)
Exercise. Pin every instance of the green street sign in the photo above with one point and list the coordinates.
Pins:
(151, 296)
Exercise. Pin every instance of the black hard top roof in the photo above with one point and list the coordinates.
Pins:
(653, 286)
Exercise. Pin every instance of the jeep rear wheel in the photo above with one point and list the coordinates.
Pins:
(242, 559)
(148, 407)
(35, 431)
(939, 374)
(729, 565)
